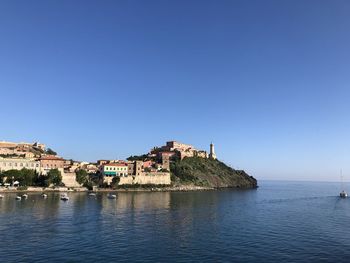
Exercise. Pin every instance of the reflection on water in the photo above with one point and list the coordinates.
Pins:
(278, 222)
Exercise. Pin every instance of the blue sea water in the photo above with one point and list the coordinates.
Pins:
(278, 222)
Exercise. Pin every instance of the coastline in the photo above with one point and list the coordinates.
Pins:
(182, 188)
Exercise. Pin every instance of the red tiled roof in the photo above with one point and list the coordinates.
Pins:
(51, 157)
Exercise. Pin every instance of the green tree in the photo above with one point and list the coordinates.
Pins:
(81, 176)
(138, 157)
(42, 181)
(25, 177)
(54, 177)
(12, 175)
(147, 169)
(115, 181)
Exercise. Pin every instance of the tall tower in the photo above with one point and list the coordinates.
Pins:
(212, 154)
(165, 162)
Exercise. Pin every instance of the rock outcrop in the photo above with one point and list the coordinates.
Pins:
(211, 173)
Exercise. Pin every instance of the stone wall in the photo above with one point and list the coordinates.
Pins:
(69, 180)
(108, 179)
(147, 178)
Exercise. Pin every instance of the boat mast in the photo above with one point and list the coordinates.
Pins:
(341, 179)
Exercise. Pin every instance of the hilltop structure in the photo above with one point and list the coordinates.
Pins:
(22, 149)
(212, 154)
(181, 150)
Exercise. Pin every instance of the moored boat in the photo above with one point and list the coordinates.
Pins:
(25, 196)
(343, 194)
(64, 197)
(18, 197)
(112, 196)
(44, 195)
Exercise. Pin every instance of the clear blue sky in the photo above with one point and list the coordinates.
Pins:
(267, 81)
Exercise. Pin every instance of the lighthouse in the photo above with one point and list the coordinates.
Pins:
(212, 154)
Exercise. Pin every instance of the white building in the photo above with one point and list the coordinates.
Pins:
(19, 163)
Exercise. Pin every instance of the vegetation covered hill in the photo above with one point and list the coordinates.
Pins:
(208, 172)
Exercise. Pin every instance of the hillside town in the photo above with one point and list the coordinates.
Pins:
(152, 168)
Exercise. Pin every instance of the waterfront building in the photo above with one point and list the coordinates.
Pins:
(49, 162)
(18, 164)
(115, 169)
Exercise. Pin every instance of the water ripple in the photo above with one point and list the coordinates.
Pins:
(304, 223)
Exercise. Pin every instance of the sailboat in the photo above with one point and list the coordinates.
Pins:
(342, 194)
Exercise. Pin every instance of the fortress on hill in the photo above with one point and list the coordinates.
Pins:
(181, 150)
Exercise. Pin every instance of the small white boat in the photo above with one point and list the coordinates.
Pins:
(92, 194)
(25, 196)
(1, 196)
(64, 197)
(112, 196)
(18, 197)
(343, 194)
(44, 195)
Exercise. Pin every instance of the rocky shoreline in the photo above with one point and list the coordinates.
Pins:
(178, 188)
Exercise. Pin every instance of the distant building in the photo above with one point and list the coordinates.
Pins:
(28, 150)
(102, 162)
(166, 162)
(112, 170)
(11, 145)
(147, 164)
(212, 154)
(166, 153)
(18, 164)
(181, 150)
(115, 169)
(174, 145)
(49, 162)
(7, 151)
